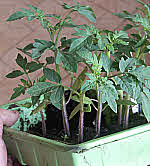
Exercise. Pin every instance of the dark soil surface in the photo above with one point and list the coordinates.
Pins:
(109, 125)
(89, 131)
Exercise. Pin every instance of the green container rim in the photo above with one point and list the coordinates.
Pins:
(77, 148)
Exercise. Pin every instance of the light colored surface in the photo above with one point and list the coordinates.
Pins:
(20, 33)
(119, 149)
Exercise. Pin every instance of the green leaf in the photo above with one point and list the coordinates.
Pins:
(145, 11)
(84, 53)
(109, 94)
(75, 111)
(31, 18)
(96, 64)
(41, 79)
(58, 57)
(127, 27)
(40, 46)
(125, 15)
(57, 94)
(26, 105)
(28, 47)
(92, 59)
(142, 3)
(146, 73)
(125, 65)
(35, 100)
(125, 102)
(146, 103)
(66, 43)
(57, 105)
(147, 84)
(40, 107)
(53, 16)
(25, 83)
(29, 12)
(102, 41)
(65, 6)
(80, 32)
(110, 47)
(45, 23)
(143, 21)
(141, 42)
(146, 6)
(87, 12)
(120, 35)
(136, 36)
(79, 80)
(33, 66)
(17, 15)
(107, 62)
(33, 8)
(18, 91)
(148, 46)
(118, 41)
(88, 108)
(78, 43)
(52, 75)
(141, 73)
(86, 100)
(40, 88)
(69, 62)
(130, 85)
(69, 24)
(36, 53)
(122, 65)
(89, 84)
(22, 62)
(14, 74)
(50, 60)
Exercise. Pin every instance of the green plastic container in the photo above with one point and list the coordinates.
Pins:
(126, 148)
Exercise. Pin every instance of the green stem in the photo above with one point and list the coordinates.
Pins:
(115, 75)
(43, 121)
(64, 110)
(28, 78)
(143, 57)
(99, 56)
(55, 53)
(108, 54)
(81, 120)
(138, 53)
(57, 67)
(50, 35)
(58, 34)
(99, 112)
(65, 118)
(43, 124)
(120, 108)
(139, 109)
(126, 115)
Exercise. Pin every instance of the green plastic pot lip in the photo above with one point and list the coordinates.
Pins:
(77, 147)
(117, 136)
